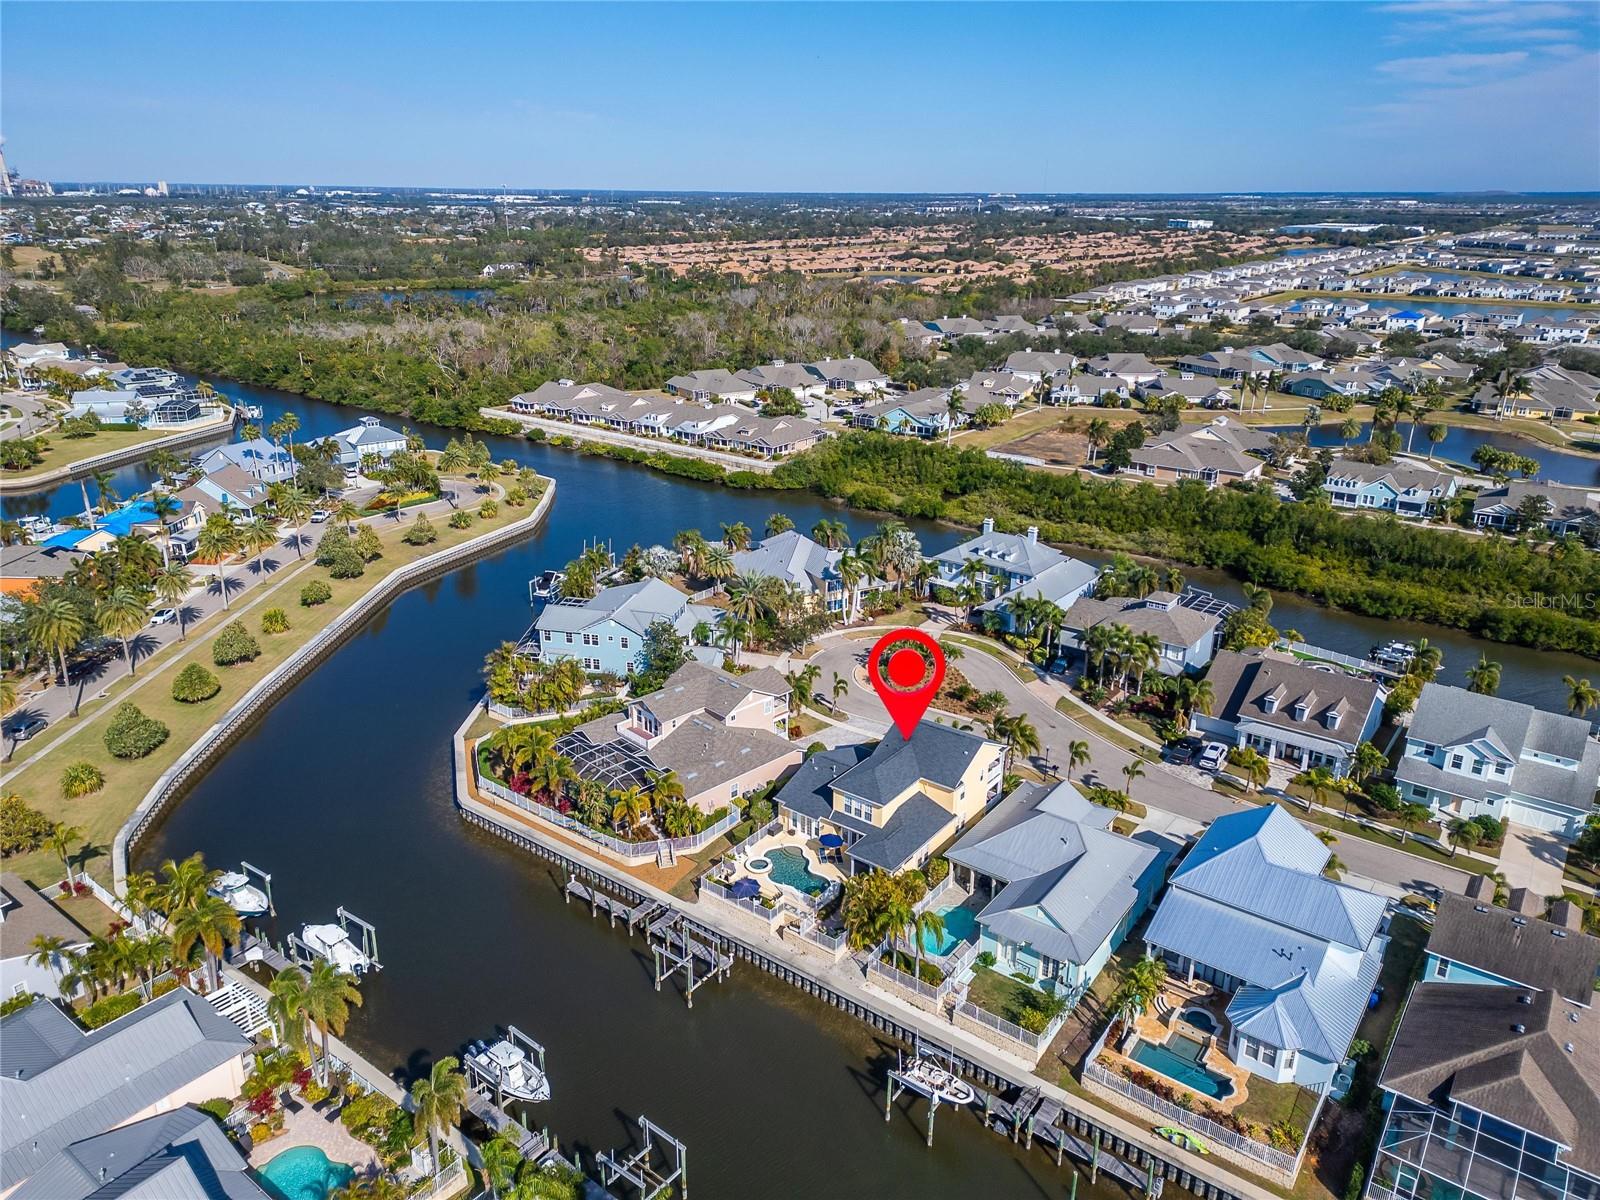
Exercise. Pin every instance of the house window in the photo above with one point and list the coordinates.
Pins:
(1268, 1055)
(1456, 762)
(1441, 968)
(1477, 766)
(624, 643)
(591, 639)
(569, 639)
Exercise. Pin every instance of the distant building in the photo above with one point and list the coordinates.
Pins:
(607, 632)
(1405, 488)
(1188, 636)
(25, 915)
(260, 458)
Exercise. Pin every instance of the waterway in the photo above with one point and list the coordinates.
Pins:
(1555, 465)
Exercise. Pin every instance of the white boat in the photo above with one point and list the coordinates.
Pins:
(935, 1081)
(242, 896)
(507, 1068)
(1393, 654)
(546, 585)
(333, 944)
(250, 412)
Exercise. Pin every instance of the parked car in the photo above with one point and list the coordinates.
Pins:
(21, 728)
(164, 616)
(319, 515)
(1183, 750)
(1211, 758)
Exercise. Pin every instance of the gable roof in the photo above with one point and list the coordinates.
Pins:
(790, 556)
(1013, 552)
(1241, 681)
(1520, 948)
(695, 687)
(1175, 625)
(1529, 1058)
(179, 1155)
(635, 606)
(938, 754)
(59, 1084)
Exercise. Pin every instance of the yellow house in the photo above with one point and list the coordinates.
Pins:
(895, 803)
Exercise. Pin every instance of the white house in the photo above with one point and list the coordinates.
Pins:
(367, 436)
(1004, 561)
(1188, 636)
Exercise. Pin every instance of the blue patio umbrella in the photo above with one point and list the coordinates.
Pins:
(830, 841)
(745, 889)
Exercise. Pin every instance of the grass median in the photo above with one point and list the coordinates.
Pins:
(127, 781)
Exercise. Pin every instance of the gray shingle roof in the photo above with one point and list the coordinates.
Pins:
(890, 846)
(180, 1155)
(1524, 949)
(1241, 681)
(809, 791)
(1482, 1046)
(28, 914)
(1452, 716)
(1175, 626)
(695, 687)
(938, 754)
(59, 1084)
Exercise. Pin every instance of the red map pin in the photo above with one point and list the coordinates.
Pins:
(905, 683)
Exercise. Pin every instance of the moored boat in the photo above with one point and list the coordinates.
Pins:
(242, 896)
(509, 1070)
(332, 943)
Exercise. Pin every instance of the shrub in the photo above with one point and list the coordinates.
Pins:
(367, 544)
(1384, 795)
(421, 532)
(81, 779)
(985, 959)
(194, 684)
(103, 1012)
(460, 519)
(16, 1003)
(1358, 1180)
(339, 554)
(489, 508)
(234, 645)
(936, 870)
(21, 828)
(218, 1108)
(131, 734)
(314, 593)
(274, 620)
(815, 748)
(516, 497)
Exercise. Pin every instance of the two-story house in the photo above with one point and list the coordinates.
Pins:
(1491, 1086)
(1003, 562)
(1188, 636)
(1469, 755)
(1287, 711)
(607, 631)
(721, 735)
(897, 803)
(367, 436)
(1222, 451)
(1564, 509)
(1063, 888)
(1249, 912)
(1407, 489)
(260, 458)
(803, 564)
(925, 413)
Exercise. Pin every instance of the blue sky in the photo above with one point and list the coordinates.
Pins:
(1419, 95)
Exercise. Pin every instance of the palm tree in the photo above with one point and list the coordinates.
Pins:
(747, 596)
(1131, 770)
(1192, 696)
(830, 533)
(1322, 783)
(295, 508)
(1366, 762)
(347, 514)
(8, 694)
(1350, 431)
(1252, 765)
(1020, 734)
(55, 625)
(924, 923)
(717, 562)
(1139, 988)
(500, 1162)
(103, 488)
(437, 1101)
(801, 683)
(186, 883)
(62, 838)
(737, 536)
(1077, 756)
(630, 807)
(1485, 677)
(286, 1008)
(1412, 817)
(49, 952)
(256, 535)
(841, 687)
(210, 925)
(172, 583)
(778, 523)
(329, 995)
(218, 539)
(1436, 434)
(1581, 696)
(954, 410)
(1099, 434)
(121, 615)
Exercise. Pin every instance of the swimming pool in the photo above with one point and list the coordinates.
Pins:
(789, 868)
(959, 924)
(305, 1173)
(1200, 1019)
(1179, 1059)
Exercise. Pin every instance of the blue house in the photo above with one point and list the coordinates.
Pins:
(606, 633)
(924, 414)
(1408, 489)
(1063, 890)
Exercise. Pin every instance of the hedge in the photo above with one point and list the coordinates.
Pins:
(103, 1012)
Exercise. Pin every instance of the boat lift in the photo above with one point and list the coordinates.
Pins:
(902, 1079)
(304, 955)
(640, 1167)
(482, 1077)
(266, 883)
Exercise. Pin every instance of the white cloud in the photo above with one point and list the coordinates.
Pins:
(1449, 69)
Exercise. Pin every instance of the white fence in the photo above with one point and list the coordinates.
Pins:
(1271, 1156)
(446, 1183)
(761, 912)
(1033, 1041)
(630, 852)
(833, 943)
(116, 905)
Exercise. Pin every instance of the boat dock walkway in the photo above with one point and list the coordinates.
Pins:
(530, 1144)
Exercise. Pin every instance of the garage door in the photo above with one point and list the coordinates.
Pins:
(1562, 822)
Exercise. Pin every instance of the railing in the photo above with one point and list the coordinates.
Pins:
(1333, 656)
(937, 893)
(631, 851)
(710, 887)
(114, 903)
(1033, 1041)
(446, 1183)
(833, 943)
(932, 991)
(743, 848)
(1271, 1156)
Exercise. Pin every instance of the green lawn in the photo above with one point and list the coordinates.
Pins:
(1463, 862)
(127, 781)
(1268, 1104)
(1022, 671)
(64, 450)
(1581, 871)
(1109, 730)
(1408, 937)
(1000, 994)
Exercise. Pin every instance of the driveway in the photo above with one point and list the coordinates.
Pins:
(1533, 859)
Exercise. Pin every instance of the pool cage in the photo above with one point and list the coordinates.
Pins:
(616, 765)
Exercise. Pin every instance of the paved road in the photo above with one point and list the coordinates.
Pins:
(35, 415)
(199, 609)
(1176, 801)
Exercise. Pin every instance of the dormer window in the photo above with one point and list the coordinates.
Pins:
(1331, 718)
(1298, 712)
(1269, 703)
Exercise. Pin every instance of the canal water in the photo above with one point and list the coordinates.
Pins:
(1555, 466)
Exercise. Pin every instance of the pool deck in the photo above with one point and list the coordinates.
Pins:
(1158, 1027)
(307, 1128)
(789, 841)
